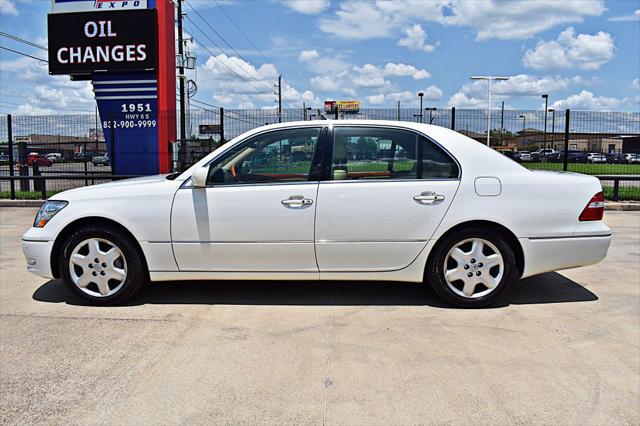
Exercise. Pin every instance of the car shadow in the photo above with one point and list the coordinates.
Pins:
(546, 288)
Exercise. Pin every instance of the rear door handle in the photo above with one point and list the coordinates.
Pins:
(429, 197)
(296, 201)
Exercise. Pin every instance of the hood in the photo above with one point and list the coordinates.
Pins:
(117, 188)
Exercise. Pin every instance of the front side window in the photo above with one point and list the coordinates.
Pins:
(278, 156)
(361, 153)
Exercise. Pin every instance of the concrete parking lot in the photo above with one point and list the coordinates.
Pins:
(562, 348)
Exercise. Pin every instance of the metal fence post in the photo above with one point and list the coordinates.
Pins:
(567, 127)
(11, 159)
(112, 154)
(616, 190)
(222, 141)
(23, 168)
(453, 118)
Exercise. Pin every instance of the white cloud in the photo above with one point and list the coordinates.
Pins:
(462, 100)
(404, 70)
(521, 85)
(416, 39)
(410, 99)
(308, 55)
(324, 83)
(307, 6)
(635, 84)
(8, 7)
(585, 100)
(635, 16)
(584, 51)
(518, 19)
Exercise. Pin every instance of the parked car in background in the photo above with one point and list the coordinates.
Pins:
(55, 157)
(615, 158)
(35, 158)
(523, 156)
(455, 214)
(541, 154)
(631, 158)
(596, 157)
(574, 156)
(101, 160)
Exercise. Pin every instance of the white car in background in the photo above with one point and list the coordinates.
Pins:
(596, 157)
(437, 207)
(54, 157)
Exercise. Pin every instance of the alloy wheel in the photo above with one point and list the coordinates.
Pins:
(98, 267)
(473, 268)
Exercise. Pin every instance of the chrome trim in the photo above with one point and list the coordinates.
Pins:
(570, 236)
(246, 242)
(369, 241)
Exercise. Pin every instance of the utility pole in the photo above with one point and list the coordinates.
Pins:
(544, 133)
(280, 99)
(181, 77)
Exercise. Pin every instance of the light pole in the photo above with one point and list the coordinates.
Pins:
(421, 115)
(544, 133)
(489, 79)
(553, 125)
(524, 122)
(431, 111)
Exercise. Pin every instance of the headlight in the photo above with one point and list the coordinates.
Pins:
(48, 210)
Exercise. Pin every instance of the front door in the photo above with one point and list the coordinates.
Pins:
(388, 190)
(257, 212)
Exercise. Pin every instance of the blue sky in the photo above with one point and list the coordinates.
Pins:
(585, 54)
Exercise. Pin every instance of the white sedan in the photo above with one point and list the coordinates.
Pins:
(326, 200)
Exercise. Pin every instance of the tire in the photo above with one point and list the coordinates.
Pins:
(497, 278)
(126, 261)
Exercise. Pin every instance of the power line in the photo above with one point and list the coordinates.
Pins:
(24, 54)
(21, 40)
(242, 32)
(222, 62)
(224, 40)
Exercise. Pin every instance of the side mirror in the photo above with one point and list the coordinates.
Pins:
(199, 177)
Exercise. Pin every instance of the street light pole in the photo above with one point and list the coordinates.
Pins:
(489, 79)
(544, 133)
(524, 122)
(553, 126)
(420, 95)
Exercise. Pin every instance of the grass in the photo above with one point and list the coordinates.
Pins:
(625, 193)
(26, 195)
(589, 169)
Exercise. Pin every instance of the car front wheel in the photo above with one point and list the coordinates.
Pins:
(471, 267)
(102, 265)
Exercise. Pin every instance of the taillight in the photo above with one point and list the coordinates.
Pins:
(594, 209)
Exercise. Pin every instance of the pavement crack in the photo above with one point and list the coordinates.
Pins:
(327, 377)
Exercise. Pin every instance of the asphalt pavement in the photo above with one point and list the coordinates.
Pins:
(561, 348)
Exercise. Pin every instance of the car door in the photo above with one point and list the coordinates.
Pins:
(257, 212)
(386, 192)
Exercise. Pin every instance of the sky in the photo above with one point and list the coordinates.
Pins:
(585, 54)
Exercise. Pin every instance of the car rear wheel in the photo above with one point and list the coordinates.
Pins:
(471, 267)
(102, 265)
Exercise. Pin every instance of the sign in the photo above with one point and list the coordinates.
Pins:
(209, 129)
(66, 6)
(81, 43)
(342, 106)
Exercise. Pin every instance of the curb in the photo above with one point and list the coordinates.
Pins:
(21, 203)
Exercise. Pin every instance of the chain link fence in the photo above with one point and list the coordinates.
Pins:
(66, 151)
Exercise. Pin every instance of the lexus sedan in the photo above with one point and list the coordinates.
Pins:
(359, 200)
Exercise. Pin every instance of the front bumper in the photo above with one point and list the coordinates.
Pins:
(38, 257)
(553, 254)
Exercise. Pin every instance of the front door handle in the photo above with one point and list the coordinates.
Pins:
(429, 197)
(296, 201)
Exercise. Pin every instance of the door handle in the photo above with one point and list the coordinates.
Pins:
(296, 201)
(429, 197)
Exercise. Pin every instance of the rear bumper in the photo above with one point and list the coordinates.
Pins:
(38, 257)
(552, 254)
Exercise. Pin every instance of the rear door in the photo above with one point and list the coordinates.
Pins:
(387, 191)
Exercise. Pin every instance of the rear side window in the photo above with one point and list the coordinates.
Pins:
(370, 153)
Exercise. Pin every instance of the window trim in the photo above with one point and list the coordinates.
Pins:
(324, 130)
(326, 178)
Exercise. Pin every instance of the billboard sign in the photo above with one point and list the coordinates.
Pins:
(81, 43)
(67, 6)
(342, 106)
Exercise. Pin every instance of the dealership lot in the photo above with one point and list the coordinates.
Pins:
(561, 348)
